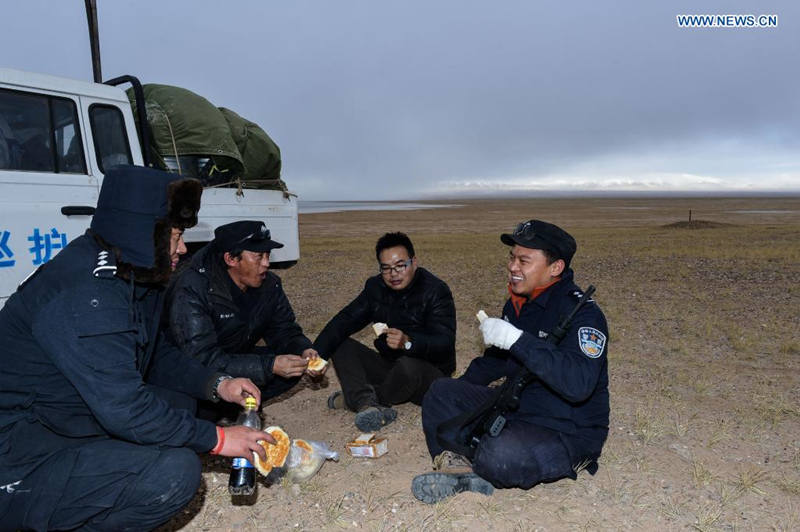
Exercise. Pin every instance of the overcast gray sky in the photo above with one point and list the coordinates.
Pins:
(385, 100)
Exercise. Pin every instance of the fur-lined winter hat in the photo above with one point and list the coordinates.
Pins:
(136, 211)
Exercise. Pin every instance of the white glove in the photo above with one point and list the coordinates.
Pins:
(499, 333)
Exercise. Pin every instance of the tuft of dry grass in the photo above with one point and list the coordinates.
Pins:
(334, 512)
(701, 474)
(719, 433)
(726, 494)
(789, 484)
(776, 408)
(646, 425)
(673, 509)
(788, 521)
(680, 425)
(707, 518)
(789, 347)
(748, 479)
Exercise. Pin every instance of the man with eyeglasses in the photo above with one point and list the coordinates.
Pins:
(417, 347)
(226, 301)
(562, 420)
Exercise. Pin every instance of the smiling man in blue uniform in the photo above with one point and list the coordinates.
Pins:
(562, 420)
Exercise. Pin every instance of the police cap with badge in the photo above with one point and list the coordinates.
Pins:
(245, 235)
(536, 234)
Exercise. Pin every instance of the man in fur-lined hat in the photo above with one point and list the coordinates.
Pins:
(97, 428)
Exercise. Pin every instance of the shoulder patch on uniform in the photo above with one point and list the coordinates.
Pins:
(106, 266)
(591, 341)
(578, 294)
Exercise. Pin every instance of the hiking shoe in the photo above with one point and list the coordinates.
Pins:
(433, 487)
(450, 462)
(374, 417)
(336, 401)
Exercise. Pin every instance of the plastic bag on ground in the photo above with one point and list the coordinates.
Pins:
(306, 458)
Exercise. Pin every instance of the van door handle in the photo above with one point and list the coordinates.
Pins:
(77, 210)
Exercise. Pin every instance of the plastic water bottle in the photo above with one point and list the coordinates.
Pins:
(243, 474)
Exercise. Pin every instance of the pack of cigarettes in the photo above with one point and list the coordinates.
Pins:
(367, 446)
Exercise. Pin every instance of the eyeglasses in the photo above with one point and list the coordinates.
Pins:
(397, 268)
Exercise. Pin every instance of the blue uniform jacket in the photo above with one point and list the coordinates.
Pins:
(570, 392)
(77, 352)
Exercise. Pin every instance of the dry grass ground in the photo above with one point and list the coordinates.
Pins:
(704, 366)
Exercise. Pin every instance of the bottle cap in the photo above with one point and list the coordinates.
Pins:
(250, 403)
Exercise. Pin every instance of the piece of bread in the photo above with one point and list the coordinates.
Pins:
(481, 315)
(379, 328)
(304, 462)
(364, 438)
(303, 444)
(308, 451)
(276, 453)
(316, 364)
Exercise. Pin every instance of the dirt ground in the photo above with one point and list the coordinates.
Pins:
(704, 364)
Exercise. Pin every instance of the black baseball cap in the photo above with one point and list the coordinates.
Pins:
(246, 235)
(536, 234)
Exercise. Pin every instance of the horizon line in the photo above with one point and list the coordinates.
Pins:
(560, 194)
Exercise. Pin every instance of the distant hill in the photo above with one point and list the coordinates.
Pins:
(696, 224)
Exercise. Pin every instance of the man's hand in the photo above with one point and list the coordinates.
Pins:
(396, 339)
(237, 390)
(241, 441)
(288, 366)
(310, 354)
(499, 333)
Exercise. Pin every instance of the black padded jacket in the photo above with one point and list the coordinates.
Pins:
(424, 311)
(206, 323)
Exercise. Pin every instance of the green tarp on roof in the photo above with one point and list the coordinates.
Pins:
(215, 144)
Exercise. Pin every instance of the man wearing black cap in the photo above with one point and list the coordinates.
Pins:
(97, 429)
(562, 419)
(227, 300)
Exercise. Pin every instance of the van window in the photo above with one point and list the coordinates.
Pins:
(110, 138)
(69, 148)
(27, 130)
(39, 133)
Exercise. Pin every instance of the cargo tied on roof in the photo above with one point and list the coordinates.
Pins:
(191, 136)
(59, 137)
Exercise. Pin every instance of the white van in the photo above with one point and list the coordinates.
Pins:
(57, 137)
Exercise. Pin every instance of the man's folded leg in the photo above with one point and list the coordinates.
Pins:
(407, 380)
(522, 455)
(447, 398)
(116, 485)
(359, 369)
